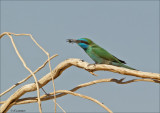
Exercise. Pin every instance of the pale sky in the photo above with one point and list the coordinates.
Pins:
(127, 29)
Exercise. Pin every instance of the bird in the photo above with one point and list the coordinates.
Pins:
(98, 54)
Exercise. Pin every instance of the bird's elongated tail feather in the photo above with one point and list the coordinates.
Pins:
(122, 65)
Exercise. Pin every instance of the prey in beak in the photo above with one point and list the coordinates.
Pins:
(72, 41)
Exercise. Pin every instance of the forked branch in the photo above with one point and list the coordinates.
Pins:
(14, 99)
(81, 64)
(51, 96)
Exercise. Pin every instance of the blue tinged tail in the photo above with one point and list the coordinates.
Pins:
(122, 65)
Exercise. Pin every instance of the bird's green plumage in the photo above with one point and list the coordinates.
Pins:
(98, 54)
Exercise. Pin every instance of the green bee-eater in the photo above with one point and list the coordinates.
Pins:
(98, 54)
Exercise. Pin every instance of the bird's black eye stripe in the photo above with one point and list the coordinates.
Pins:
(81, 41)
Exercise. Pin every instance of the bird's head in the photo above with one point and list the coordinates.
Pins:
(82, 42)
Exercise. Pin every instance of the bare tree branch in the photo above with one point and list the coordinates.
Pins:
(22, 81)
(14, 98)
(78, 63)
(38, 93)
(51, 96)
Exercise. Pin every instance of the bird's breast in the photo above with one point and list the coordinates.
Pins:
(97, 59)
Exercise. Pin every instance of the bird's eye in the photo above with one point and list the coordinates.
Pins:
(84, 42)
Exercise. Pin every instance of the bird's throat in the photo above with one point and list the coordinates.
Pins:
(84, 46)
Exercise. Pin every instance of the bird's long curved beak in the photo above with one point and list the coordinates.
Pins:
(72, 41)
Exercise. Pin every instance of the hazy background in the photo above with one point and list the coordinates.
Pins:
(127, 29)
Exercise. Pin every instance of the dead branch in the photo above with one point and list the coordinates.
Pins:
(14, 99)
(80, 95)
(86, 97)
(24, 64)
(78, 63)
(22, 81)
(51, 96)
(38, 93)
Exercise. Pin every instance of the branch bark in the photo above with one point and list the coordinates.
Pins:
(78, 63)
(51, 96)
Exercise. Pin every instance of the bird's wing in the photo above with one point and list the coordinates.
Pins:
(105, 54)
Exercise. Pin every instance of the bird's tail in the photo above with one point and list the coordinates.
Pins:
(122, 65)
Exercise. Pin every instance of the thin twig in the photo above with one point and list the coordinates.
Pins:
(37, 85)
(48, 63)
(93, 73)
(61, 108)
(22, 81)
(9, 33)
(86, 97)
